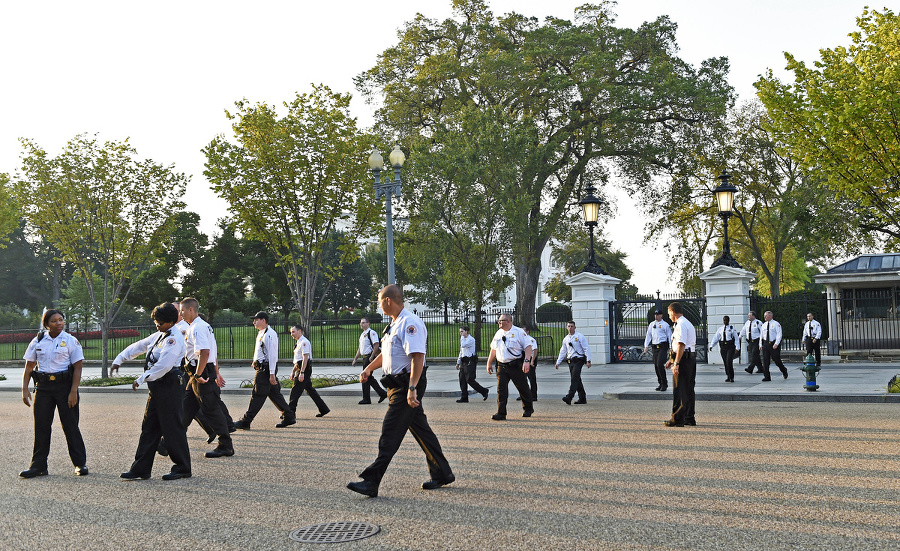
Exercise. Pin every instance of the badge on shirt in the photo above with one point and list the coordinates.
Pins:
(63, 344)
(170, 341)
(411, 330)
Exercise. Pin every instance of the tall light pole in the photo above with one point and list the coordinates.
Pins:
(590, 206)
(388, 189)
(724, 194)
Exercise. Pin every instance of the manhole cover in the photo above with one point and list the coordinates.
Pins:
(334, 532)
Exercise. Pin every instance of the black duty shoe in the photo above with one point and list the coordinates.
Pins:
(498, 417)
(432, 484)
(749, 370)
(242, 425)
(383, 398)
(461, 401)
(567, 400)
(527, 413)
(82, 471)
(580, 402)
(220, 452)
(671, 423)
(162, 449)
(210, 438)
(287, 423)
(175, 476)
(485, 394)
(323, 413)
(766, 379)
(663, 389)
(364, 487)
(659, 387)
(128, 475)
(519, 399)
(364, 402)
(31, 473)
(691, 423)
(784, 373)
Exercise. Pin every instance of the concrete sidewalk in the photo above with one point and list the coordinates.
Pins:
(839, 382)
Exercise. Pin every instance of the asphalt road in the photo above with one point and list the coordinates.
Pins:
(607, 475)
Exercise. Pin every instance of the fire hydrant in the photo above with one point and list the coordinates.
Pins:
(809, 371)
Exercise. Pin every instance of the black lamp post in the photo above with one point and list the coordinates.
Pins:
(724, 195)
(388, 189)
(591, 209)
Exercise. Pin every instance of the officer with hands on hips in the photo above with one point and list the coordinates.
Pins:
(53, 352)
(659, 335)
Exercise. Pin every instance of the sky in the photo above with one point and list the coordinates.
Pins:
(162, 74)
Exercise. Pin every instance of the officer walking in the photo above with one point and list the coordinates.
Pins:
(751, 333)
(726, 336)
(659, 335)
(770, 346)
(403, 362)
(467, 364)
(163, 416)
(576, 352)
(369, 347)
(265, 384)
(302, 374)
(53, 359)
(683, 363)
(511, 348)
(812, 337)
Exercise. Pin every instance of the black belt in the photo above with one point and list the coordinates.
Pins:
(512, 363)
(259, 366)
(769, 342)
(660, 344)
(43, 378)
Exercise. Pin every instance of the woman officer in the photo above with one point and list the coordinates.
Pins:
(163, 415)
(58, 357)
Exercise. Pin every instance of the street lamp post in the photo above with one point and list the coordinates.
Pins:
(724, 194)
(388, 189)
(591, 210)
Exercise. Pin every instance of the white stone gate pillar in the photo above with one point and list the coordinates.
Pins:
(727, 294)
(591, 295)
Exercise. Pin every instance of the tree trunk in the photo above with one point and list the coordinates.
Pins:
(104, 341)
(479, 305)
(528, 275)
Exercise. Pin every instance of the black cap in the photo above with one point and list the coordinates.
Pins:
(657, 313)
(261, 316)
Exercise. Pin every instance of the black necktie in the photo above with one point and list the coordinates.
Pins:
(767, 331)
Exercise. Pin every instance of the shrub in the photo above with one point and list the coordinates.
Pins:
(553, 312)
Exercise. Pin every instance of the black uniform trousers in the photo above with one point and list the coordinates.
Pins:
(753, 352)
(299, 387)
(467, 368)
(203, 397)
(660, 355)
(683, 397)
(163, 418)
(770, 354)
(399, 418)
(203, 421)
(728, 350)
(49, 397)
(371, 383)
(262, 389)
(814, 348)
(507, 372)
(576, 364)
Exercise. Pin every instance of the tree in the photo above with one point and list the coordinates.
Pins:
(291, 179)
(25, 274)
(344, 284)
(104, 210)
(9, 212)
(839, 119)
(571, 255)
(585, 98)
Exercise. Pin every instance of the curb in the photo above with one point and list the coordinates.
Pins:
(716, 397)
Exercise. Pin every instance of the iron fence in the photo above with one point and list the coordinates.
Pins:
(790, 311)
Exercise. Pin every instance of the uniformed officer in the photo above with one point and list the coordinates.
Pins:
(659, 335)
(577, 353)
(403, 362)
(683, 363)
(201, 355)
(302, 374)
(751, 333)
(726, 336)
(770, 346)
(53, 359)
(467, 364)
(163, 416)
(511, 348)
(812, 336)
(265, 384)
(369, 347)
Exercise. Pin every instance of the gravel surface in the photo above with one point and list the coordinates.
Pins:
(607, 475)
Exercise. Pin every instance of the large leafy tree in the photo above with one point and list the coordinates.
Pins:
(104, 210)
(291, 179)
(571, 256)
(9, 212)
(345, 284)
(840, 119)
(586, 98)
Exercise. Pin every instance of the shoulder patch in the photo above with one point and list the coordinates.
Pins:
(411, 330)
(170, 341)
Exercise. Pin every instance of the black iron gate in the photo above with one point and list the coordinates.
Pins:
(630, 317)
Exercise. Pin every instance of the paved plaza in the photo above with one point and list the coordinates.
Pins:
(606, 475)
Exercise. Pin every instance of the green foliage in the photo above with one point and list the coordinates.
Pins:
(893, 385)
(291, 179)
(26, 272)
(839, 119)
(790, 310)
(9, 211)
(103, 209)
(571, 256)
(108, 381)
(345, 283)
(152, 287)
(550, 312)
(11, 317)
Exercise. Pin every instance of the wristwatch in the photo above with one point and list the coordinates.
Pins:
(412, 387)
(527, 361)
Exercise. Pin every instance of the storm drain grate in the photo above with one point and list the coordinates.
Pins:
(334, 532)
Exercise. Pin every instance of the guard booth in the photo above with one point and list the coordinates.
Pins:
(629, 318)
